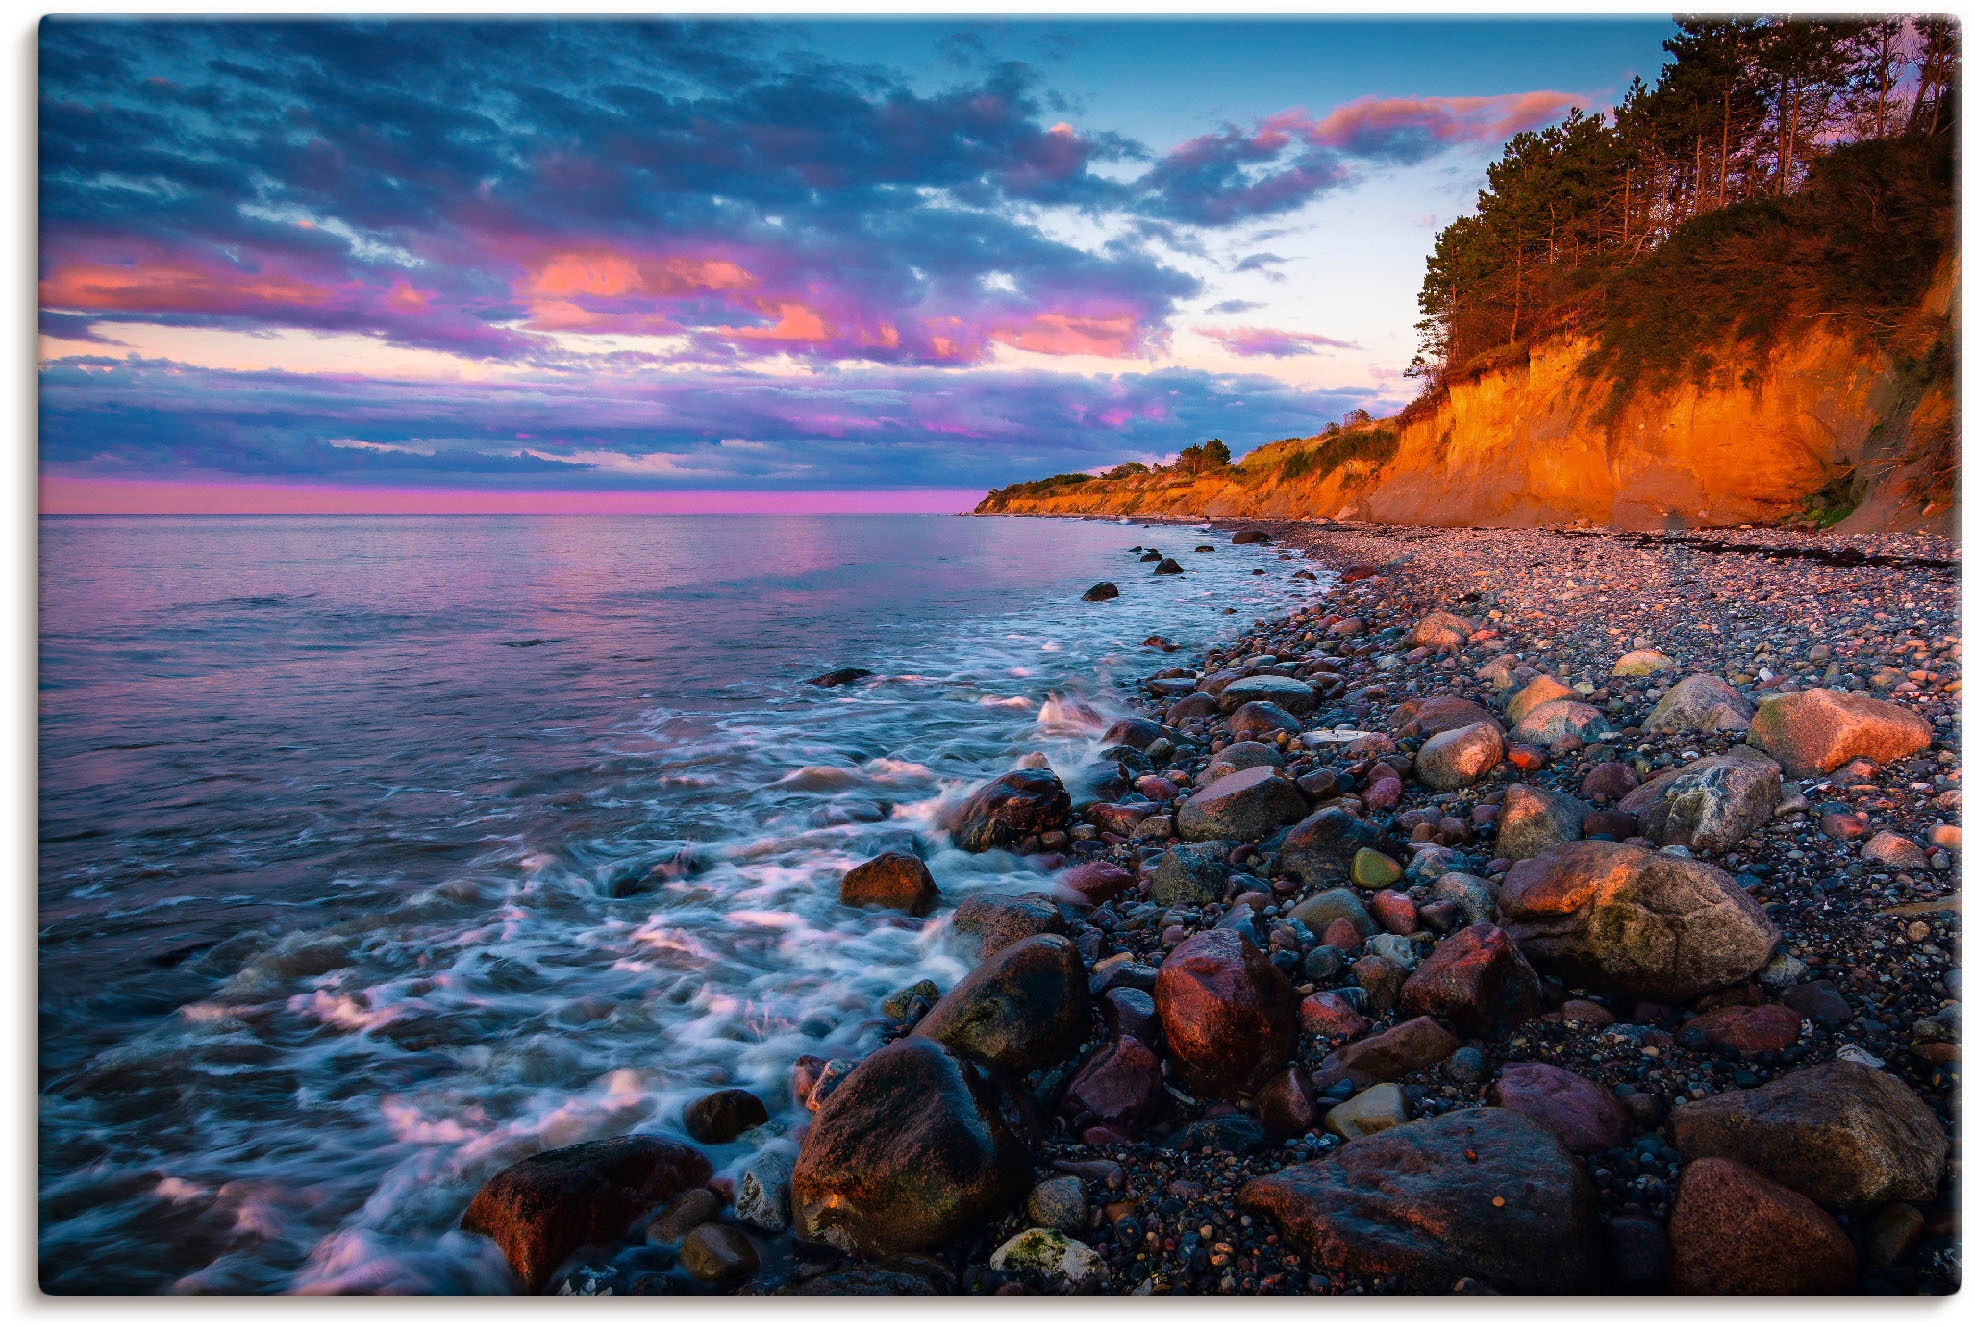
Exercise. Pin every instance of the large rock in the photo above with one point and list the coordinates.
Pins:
(541, 1210)
(1052, 1262)
(891, 880)
(1813, 732)
(1258, 718)
(1841, 1133)
(1476, 983)
(1229, 1015)
(995, 921)
(1735, 1233)
(1319, 910)
(1284, 693)
(1459, 756)
(1702, 703)
(1712, 804)
(1190, 875)
(1393, 1053)
(1621, 918)
(1480, 1193)
(721, 1117)
(1245, 805)
(1540, 690)
(1440, 631)
(1430, 716)
(1025, 1007)
(1198, 705)
(1133, 732)
(1584, 1115)
(1561, 721)
(1318, 850)
(1119, 1085)
(1008, 809)
(1534, 820)
(911, 1151)
(1642, 663)
(1243, 755)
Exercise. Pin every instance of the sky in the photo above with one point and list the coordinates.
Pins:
(457, 263)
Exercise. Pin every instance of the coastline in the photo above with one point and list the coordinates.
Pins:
(1422, 1005)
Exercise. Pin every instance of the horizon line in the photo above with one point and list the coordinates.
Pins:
(82, 496)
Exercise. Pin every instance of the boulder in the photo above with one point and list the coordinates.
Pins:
(839, 677)
(1229, 1014)
(1284, 693)
(1813, 732)
(891, 880)
(1584, 1115)
(762, 1197)
(995, 921)
(1319, 910)
(1101, 591)
(1750, 1029)
(1440, 631)
(1561, 721)
(1621, 918)
(1840, 1133)
(1608, 781)
(1091, 883)
(911, 1151)
(1008, 809)
(1318, 850)
(1372, 869)
(1477, 1193)
(1286, 1105)
(1702, 703)
(1430, 716)
(1712, 804)
(1735, 1233)
(1328, 1014)
(1476, 983)
(1376, 1108)
(1199, 705)
(1190, 875)
(1060, 1204)
(1470, 894)
(1250, 537)
(1535, 819)
(718, 1254)
(1259, 717)
(1027, 1006)
(1889, 849)
(1052, 1262)
(1244, 806)
(1458, 757)
(1642, 663)
(1393, 1053)
(541, 1210)
(1539, 691)
(1119, 1085)
(1168, 567)
(1135, 733)
(1246, 755)
(721, 1117)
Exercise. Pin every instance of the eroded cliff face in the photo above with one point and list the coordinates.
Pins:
(1821, 421)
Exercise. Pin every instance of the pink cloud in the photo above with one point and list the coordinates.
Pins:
(1377, 125)
(1251, 342)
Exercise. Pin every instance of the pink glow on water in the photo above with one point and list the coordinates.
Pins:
(64, 496)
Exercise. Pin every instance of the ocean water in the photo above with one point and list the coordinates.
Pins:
(379, 853)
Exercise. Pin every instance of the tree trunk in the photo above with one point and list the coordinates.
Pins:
(1515, 316)
(1721, 197)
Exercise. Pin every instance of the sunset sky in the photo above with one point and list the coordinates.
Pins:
(489, 259)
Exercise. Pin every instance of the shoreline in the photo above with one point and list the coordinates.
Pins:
(1409, 1014)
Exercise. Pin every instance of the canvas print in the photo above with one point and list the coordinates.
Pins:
(936, 656)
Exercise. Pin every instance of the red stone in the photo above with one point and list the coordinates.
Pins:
(1341, 934)
(1736, 1233)
(1099, 882)
(1395, 911)
(1383, 795)
(1229, 1014)
(1120, 1085)
(1476, 981)
(1525, 758)
(1328, 1015)
(1381, 980)
(1584, 1115)
(1414, 1044)
(1286, 1106)
(1588, 1012)
(1750, 1029)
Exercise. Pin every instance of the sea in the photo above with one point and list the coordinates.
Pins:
(379, 853)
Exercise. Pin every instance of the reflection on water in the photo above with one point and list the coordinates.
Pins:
(377, 853)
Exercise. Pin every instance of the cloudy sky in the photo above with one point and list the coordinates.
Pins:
(507, 257)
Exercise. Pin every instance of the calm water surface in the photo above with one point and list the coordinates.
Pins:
(378, 853)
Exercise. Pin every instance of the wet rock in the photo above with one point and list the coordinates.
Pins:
(1839, 1133)
(1285, 693)
(1059, 1204)
(1395, 912)
(762, 1197)
(1814, 732)
(1458, 757)
(995, 921)
(1234, 1132)
(1430, 716)
(1250, 537)
(1168, 567)
(891, 880)
(1539, 691)
(1286, 1105)
(1096, 883)
(541, 1210)
(1244, 755)
(1480, 1193)
(1473, 896)
(1712, 804)
(1119, 1085)
(1381, 978)
(1734, 1232)
(1393, 1053)
(1372, 869)
(1025, 1007)
(1561, 722)
(1101, 591)
(1821, 1002)
(1138, 734)
(1702, 703)
(1584, 1115)
(1889, 849)
(1608, 782)
(1318, 850)
(1190, 875)
(1010, 808)
(1535, 819)
(1642, 663)
(1244, 806)
(1649, 925)
(1374, 1109)
(1131, 1013)
(1327, 1014)
(838, 677)
(1440, 631)
(1258, 718)
(721, 1117)
(1199, 705)
(717, 1254)
(1895, 1229)
(1229, 1014)
(1749, 1029)
(1475, 982)
(910, 1152)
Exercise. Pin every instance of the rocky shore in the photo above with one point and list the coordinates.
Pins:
(1538, 911)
